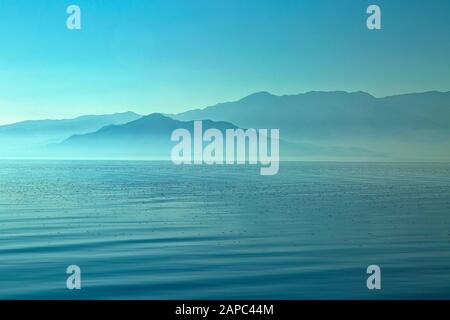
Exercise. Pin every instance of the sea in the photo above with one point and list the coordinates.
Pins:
(155, 230)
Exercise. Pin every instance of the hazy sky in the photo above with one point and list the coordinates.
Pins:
(172, 55)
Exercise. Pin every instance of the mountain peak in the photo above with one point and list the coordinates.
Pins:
(156, 117)
(129, 113)
(258, 96)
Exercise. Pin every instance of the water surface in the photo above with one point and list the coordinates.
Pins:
(153, 230)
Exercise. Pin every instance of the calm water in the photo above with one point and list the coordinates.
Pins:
(149, 230)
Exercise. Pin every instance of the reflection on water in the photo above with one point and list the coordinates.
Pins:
(153, 230)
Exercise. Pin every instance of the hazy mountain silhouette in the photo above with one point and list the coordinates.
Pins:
(149, 137)
(18, 138)
(333, 114)
(412, 125)
(317, 125)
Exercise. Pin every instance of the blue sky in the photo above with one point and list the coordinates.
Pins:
(173, 55)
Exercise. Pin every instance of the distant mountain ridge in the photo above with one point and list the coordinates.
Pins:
(324, 125)
(17, 138)
(153, 125)
(147, 137)
(85, 122)
(61, 128)
(319, 114)
(412, 126)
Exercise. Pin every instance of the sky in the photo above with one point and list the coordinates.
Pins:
(173, 55)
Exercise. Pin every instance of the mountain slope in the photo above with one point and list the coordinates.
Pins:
(82, 124)
(18, 138)
(411, 125)
(318, 114)
(149, 138)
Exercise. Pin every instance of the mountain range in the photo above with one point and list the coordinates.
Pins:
(27, 136)
(314, 125)
(403, 127)
(335, 115)
(146, 137)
